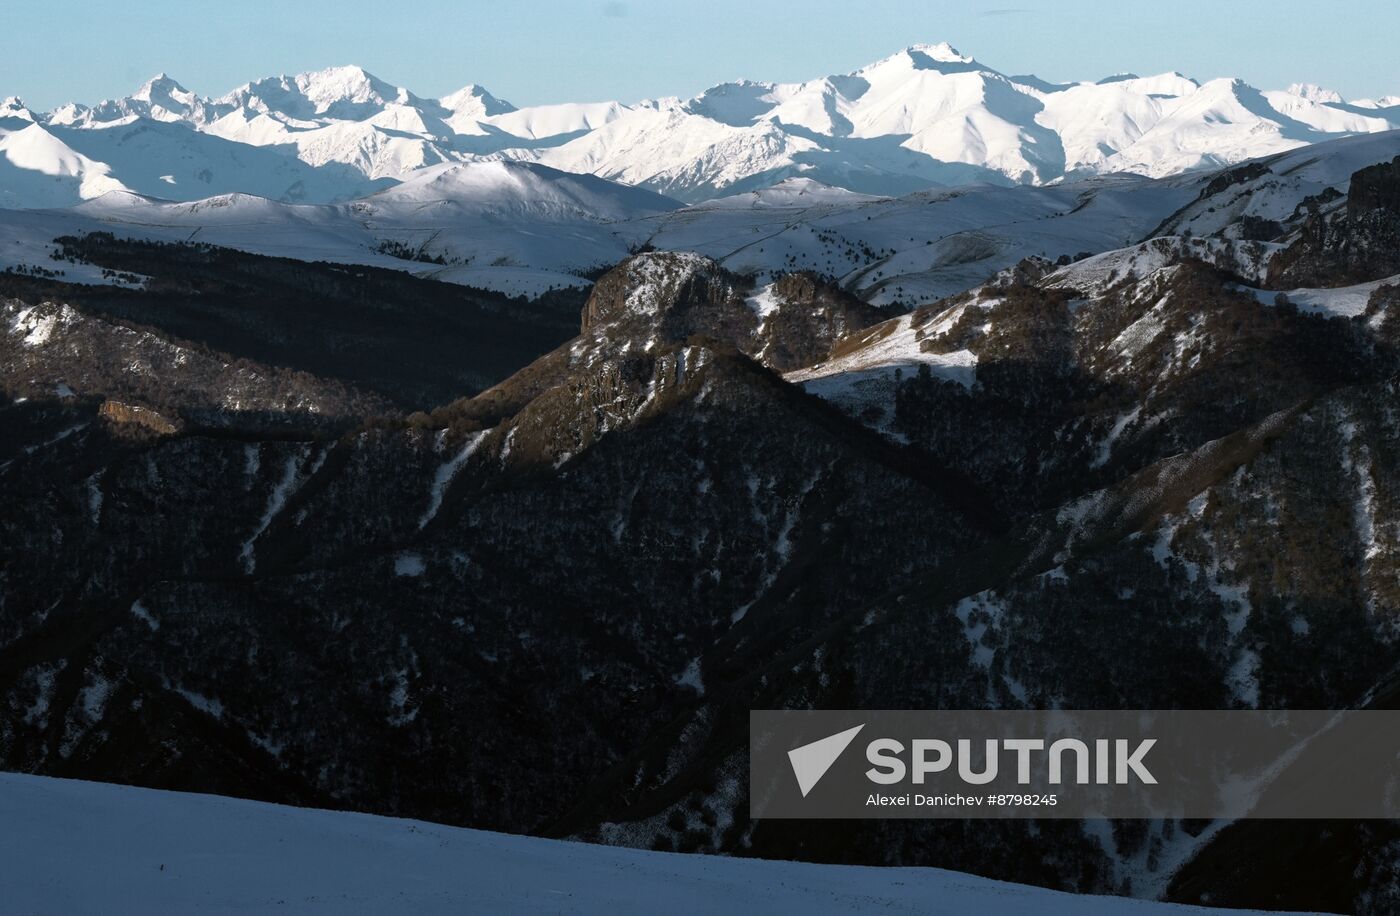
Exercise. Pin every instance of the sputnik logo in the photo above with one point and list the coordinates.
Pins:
(811, 761)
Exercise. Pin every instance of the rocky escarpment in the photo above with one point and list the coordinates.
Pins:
(1353, 244)
(134, 415)
(793, 321)
(1373, 189)
(806, 318)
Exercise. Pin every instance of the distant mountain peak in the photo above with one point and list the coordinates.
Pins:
(161, 80)
(941, 51)
(1315, 93)
(473, 98)
(13, 107)
(347, 77)
(162, 90)
(342, 71)
(342, 93)
(922, 57)
(348, 83)
(939, 57)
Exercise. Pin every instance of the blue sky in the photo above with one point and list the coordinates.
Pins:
(552, 50)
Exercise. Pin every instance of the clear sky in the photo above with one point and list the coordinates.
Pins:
(536, 51)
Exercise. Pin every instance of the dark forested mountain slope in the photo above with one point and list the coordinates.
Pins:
(413, 342)
(1161, 477)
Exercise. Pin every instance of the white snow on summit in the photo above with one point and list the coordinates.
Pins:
(927, 116)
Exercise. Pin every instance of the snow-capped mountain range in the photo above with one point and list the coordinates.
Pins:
(927, 116)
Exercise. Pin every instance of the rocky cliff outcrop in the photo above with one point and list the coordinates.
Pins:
(792, 321)
(1354, 244)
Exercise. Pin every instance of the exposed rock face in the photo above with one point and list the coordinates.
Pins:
(809, 318)
(791, 322)
(136, 415)
(1353, 244)
(666, 287)
(1375, 188)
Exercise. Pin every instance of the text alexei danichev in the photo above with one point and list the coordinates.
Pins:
(991, 800)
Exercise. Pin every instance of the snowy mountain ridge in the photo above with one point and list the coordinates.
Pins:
(927, 116)
(524, 228)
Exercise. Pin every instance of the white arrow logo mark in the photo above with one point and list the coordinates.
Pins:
(811, 761)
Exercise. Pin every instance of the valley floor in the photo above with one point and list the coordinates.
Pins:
(75, 848)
